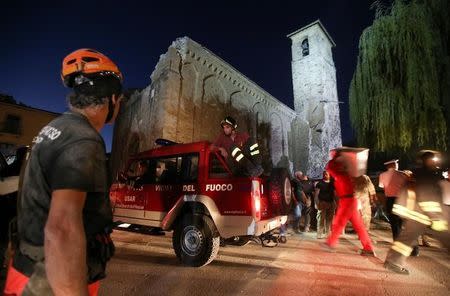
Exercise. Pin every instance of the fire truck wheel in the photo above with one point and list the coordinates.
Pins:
(195, 240)
(280, 191)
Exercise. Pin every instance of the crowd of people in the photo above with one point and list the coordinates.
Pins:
(416, 203)
(316, 201)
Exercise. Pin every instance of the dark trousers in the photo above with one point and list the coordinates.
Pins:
(307, 213)
(395, 221)
(403, 245)
(325, 216)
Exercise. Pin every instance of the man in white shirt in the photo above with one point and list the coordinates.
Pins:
(392, 181)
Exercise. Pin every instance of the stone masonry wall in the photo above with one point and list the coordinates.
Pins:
(315, 99)
(191, 91)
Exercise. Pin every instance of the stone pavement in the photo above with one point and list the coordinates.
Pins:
(147, 265)
(346, 273)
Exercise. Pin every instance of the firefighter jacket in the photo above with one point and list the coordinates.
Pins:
(226, 142)
(242, 146)
(421, 200)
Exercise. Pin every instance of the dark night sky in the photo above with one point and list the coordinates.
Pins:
(249, 35)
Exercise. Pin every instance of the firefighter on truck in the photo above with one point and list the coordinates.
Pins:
(239, 149)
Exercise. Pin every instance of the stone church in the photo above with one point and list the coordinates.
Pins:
(192, 90)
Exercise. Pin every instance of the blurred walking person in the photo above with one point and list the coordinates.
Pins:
(339, 168)
(392, 181)
(422, 206)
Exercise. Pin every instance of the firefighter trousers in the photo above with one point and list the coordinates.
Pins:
(407, 239)
(348, 210)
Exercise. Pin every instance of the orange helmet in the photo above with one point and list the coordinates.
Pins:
(87, 61)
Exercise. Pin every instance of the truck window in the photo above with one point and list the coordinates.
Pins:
(139, 172)
(216, 169)
(189, 168)
(166, 170)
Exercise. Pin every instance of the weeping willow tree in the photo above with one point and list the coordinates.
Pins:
(399, 94)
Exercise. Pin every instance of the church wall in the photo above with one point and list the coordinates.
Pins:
(191, 91)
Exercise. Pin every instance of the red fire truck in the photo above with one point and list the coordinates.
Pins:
(190, 189)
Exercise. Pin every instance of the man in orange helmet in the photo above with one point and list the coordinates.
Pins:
(64, 216)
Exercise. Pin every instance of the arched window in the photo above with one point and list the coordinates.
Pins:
(305, 47)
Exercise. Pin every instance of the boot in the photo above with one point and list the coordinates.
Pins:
(415, 252)
(396, 268)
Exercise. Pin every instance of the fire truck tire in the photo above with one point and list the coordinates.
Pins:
(195, 240)
(280, 191)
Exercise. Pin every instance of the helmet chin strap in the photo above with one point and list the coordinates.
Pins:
(111, 107)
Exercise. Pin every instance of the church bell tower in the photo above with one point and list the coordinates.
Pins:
(317, 129)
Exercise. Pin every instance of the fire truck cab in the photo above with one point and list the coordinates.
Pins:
(190, 189)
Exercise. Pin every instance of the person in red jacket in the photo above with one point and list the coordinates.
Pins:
(239, 149)
(347, 207)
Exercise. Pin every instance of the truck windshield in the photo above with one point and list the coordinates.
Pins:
(165, 170)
